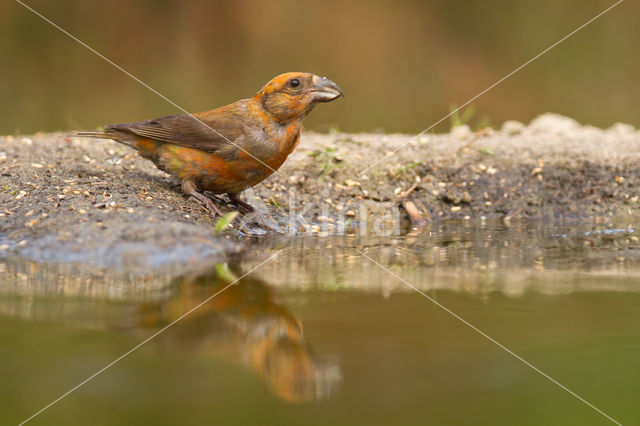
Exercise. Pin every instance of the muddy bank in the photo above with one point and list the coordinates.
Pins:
(77, 200)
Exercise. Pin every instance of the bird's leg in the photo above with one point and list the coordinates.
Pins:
(190, 188)
(207, 202)
(240, 204)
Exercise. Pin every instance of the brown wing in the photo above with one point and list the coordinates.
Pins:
(210, 134)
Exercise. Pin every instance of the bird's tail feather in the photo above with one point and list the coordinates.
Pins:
(116, 135)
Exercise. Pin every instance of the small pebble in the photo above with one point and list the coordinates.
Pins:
(324, 219)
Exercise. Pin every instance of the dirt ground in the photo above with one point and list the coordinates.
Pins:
(70, 199)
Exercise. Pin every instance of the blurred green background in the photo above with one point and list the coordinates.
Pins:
(401, 64)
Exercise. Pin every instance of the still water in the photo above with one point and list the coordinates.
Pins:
(320, 334)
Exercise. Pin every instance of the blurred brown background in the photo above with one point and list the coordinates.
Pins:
(401, 64)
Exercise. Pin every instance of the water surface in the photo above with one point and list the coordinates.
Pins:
(322, 335)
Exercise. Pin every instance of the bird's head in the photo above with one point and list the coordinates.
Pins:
(292, 95)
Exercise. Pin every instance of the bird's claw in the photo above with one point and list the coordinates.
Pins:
(240, 205)
(207, 203)
(255, 228)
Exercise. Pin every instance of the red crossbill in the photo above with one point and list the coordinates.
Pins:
(231, 148)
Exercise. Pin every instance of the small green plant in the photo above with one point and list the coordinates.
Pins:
(486, 150)
(225, 273)
(330, 158)
(275, 203)
(345, 140)
(408, 167)
(225, 221)
(460, 117)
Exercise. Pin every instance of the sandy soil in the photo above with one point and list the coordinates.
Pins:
(68, 199)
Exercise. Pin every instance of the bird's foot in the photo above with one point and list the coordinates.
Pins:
(240, 205)
(256, 226)
(207, 202)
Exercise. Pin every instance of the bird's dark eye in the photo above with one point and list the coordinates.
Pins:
(295, 82)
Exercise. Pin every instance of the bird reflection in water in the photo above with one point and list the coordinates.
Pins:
(244, 324)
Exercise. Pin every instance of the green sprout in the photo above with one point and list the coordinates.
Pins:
(275, 203)
(460, 119)
(330, 158)
(225, 221)
(225, 273)
(486, 150)
(408, 167)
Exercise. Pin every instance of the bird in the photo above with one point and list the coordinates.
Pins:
(231, 148)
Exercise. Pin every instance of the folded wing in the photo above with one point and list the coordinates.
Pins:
(210, 135)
